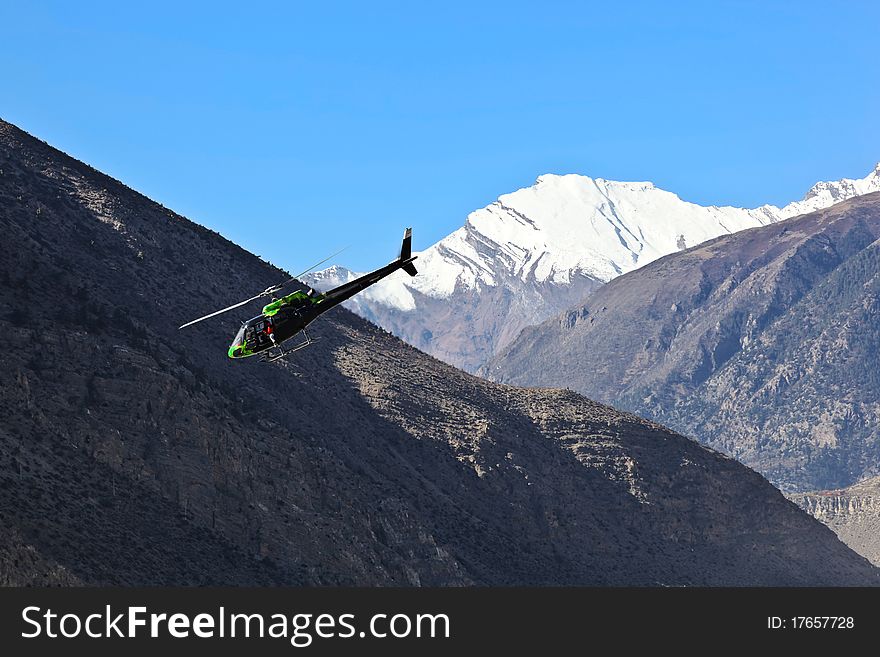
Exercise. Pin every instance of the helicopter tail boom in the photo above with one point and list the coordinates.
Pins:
(347, 290)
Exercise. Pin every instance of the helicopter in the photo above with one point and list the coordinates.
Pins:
(284, 317)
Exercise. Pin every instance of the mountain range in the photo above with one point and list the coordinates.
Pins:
(762, 344)
(134, 453)
(540, 250)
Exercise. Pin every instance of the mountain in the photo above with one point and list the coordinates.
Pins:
(134, 453)
(763, 344)
(853, 513)
(536, 252)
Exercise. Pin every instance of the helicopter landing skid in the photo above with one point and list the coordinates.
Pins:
(277, 353)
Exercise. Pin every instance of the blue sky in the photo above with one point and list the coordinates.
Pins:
(296, 128)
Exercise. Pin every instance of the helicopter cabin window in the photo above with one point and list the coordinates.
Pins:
(239, 338)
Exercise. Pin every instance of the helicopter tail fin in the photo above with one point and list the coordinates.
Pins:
(406, 253)
(406, 246)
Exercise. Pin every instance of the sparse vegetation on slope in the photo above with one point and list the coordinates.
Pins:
(133, 453)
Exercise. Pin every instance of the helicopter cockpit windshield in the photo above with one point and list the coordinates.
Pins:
(238, 348)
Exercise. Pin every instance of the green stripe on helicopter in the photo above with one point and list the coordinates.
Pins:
(271, 309)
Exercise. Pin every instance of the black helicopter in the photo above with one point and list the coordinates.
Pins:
(284, 317)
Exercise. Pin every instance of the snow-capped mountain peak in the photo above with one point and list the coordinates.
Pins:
(824, 194)
(535, 251)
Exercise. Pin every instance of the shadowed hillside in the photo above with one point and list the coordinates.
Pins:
(133, 453)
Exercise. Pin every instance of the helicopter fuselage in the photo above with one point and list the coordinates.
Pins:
(283, 318)
(270, 329)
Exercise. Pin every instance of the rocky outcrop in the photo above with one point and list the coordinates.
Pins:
(853, 513)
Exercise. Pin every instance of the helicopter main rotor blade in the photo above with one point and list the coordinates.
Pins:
(220, 312)
(265, 293)
(317, 264)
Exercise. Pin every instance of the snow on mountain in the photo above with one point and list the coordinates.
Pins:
(825, 194)
(391, 291)
(535, 251)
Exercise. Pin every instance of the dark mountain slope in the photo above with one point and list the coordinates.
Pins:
(136, 453)
(763, 344)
